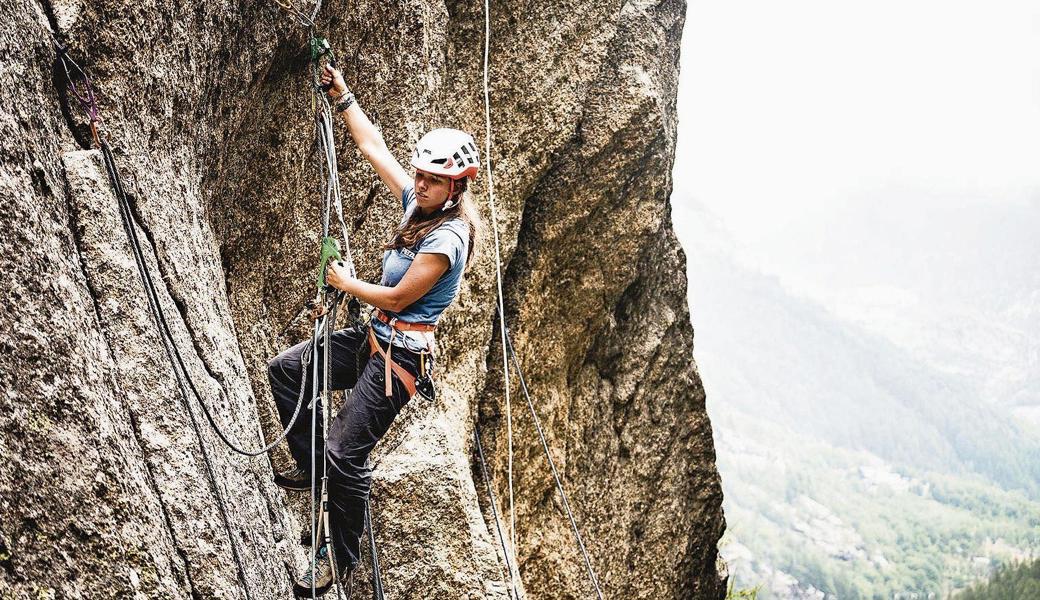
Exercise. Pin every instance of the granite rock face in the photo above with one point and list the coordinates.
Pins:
(111, 482)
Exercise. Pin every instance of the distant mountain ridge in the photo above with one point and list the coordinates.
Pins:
(891, 403)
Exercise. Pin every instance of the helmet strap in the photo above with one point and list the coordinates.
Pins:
(451, 193)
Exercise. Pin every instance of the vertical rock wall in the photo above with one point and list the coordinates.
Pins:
(111, 485)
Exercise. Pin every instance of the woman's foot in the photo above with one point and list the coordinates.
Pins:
(296, 480)
(321, 577)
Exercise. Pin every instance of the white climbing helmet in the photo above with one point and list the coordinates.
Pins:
(448, 152)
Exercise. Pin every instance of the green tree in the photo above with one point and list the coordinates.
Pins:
(1014, 581)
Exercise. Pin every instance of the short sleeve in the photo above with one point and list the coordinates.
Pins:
(447, 241)
(407, 197)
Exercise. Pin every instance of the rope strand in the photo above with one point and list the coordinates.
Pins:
(494, 505)
(166, 338)
(507, 351)
(332, 203)
(513, 573)
(552, 466)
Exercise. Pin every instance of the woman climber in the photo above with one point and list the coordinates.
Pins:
(422, 268)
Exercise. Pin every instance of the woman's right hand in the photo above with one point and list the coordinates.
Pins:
(332, 78)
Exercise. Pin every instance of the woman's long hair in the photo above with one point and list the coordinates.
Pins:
(420, 225)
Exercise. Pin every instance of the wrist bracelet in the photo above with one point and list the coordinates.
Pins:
(344, 102)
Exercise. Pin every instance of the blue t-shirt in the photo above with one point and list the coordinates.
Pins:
(451, 239)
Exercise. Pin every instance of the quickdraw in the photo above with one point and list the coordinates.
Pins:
(85, 97)
(303, 17)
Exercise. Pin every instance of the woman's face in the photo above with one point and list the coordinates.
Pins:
(431, 190)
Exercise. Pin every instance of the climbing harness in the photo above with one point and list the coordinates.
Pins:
(88, 103)
(397, 326)
(507, 352)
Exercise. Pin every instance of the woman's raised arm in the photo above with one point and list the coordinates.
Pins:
(367, 137)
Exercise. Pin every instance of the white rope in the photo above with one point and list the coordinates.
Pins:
(512, 565)
(555, 473)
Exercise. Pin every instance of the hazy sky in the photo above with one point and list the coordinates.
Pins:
(790, 112)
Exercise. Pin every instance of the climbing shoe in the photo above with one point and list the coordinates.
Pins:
(321, 577)
(296, 480)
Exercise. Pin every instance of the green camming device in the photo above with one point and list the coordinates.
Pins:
(320, 47)
(329, 250)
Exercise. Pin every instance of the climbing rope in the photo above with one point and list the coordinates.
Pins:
(494, 505)
(377, 576)
(333, 203)
(323, 326)
(507, 352)
(513, 571)
(330, 250)
(322, 523)
(169, 345)
(329, 189)
(88, 103)
(326, 323)
(552, 467)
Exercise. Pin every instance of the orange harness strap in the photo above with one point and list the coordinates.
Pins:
(395, 325)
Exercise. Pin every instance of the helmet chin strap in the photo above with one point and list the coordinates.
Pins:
(451, 192)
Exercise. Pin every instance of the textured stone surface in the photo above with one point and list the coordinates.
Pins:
(111, 484)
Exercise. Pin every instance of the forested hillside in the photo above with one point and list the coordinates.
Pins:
(1019, 581)
(850, 465)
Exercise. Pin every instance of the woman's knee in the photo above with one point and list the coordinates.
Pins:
(348, 458)
(283, 368)
(349, 474)
(276, 369)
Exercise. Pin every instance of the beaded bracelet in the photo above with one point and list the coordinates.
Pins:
(344, 102)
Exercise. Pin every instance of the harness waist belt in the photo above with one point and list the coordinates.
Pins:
(400, 325)
(395, 325)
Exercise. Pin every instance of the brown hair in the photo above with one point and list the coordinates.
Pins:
(420, 225)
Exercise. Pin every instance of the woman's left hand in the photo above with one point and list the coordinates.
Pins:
(332, 78)
(337, 276)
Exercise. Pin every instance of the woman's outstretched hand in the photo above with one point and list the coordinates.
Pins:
(332, 77)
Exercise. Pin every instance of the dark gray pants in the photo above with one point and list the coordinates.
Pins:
(361, 423)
